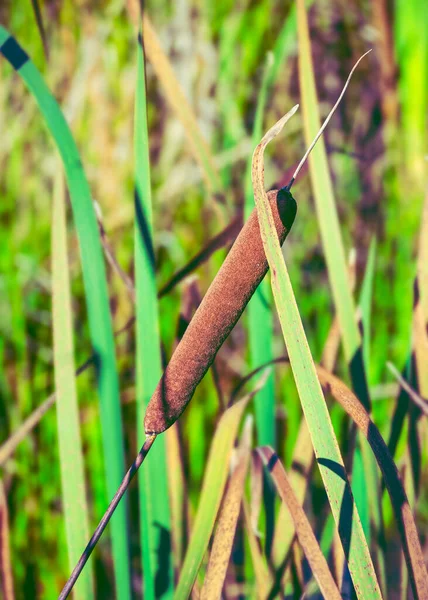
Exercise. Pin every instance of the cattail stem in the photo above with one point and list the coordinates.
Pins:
(107, 516)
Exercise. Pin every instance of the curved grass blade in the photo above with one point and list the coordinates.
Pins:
(155, 526)
(423, 260)
(227, 521)
(314, 407)
(70, 448)
(304, 532)
(96, 292)
(216, 472)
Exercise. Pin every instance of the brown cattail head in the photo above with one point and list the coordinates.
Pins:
(219, 311)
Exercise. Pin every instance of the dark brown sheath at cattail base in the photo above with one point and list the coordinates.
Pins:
(218, 313)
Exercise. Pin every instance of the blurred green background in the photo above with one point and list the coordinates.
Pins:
(377, 148)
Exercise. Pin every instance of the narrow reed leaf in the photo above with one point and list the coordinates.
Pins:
(227, 521)
(420, 310)
(260, 317)
(177, 494)
(256, 491)
(96, 293)
(155, 525)
(327, 212)
(423, 259)
(215, 477)
(180, 105)
(304, 532)
(332, 240)
(365, 303)
(301, 465)
(314, 407)
(74, 504)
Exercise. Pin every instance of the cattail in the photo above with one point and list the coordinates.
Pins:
(218, 313)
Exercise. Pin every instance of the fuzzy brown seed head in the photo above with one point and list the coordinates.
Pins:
(219, 311)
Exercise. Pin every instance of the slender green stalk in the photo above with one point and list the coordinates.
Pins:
(325, 445)
(155, 523)
(97, 300)
(70, 447)
(260, 317)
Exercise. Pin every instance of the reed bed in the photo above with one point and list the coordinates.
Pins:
(260, 473)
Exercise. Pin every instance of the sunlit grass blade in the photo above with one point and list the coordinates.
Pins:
(304, 531)
(153, 482)
(314, 407)
(365, 303)
(420, 311)
(326, 209)
(96, 293)
(301, 465)
(333, 246)
(227, 521)
(259, 310)
(215, 477)
(423, 259)
(70, 448)
(180, 105)
(177, 494)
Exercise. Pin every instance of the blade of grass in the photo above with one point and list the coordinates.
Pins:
(96, 293)
(326, 209)
(215, 477)
(70, 448)
(227, 521)
(423, 260)
(420, 312)
(155, 527)
(177, 492)
(303, 453)
(314, 407)
(332, 243)
(304, 532)
(260, 317)
(366, 296)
